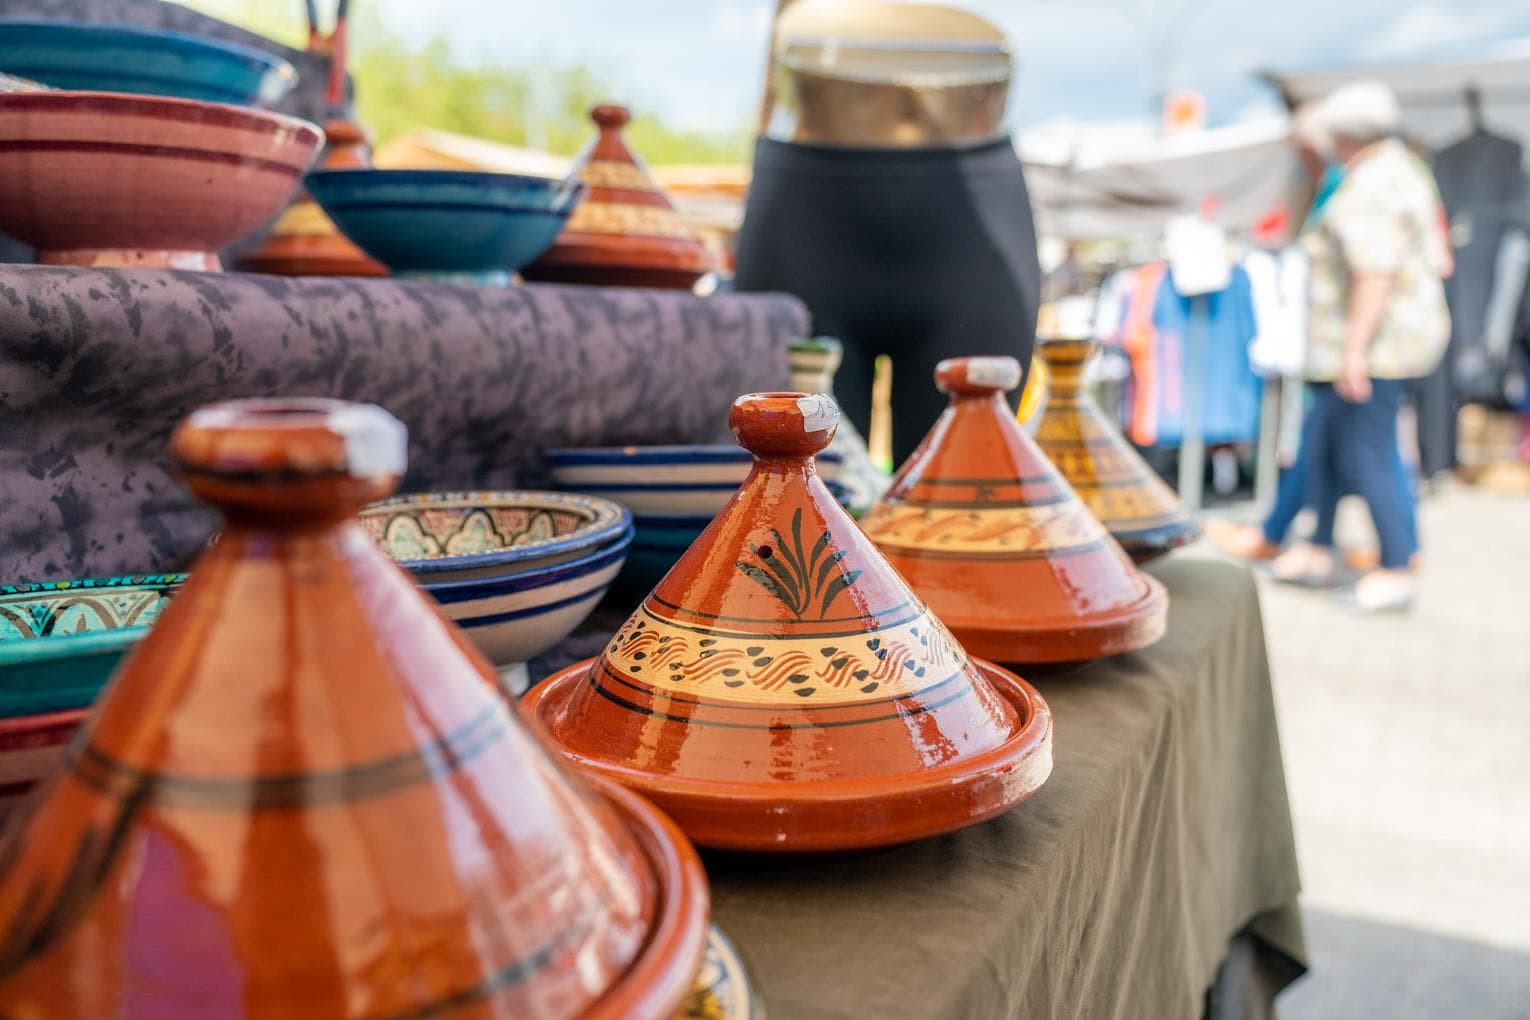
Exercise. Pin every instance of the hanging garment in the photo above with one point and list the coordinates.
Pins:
(1480, 178)
(1279, 285)
(1139, 339)
(1229, 390)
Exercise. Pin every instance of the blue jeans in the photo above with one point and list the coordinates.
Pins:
(1290, 493)
(1353, 448)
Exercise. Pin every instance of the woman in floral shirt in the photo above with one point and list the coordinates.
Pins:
(1377, 318)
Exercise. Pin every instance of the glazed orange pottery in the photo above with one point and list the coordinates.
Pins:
(782, 689)
(302, 797)
(303, 241)
(624, 232)
(1128, 497)
(992, 537)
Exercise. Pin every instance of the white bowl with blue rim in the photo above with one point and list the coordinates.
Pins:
(516, 617)
(659, 481)
(459, 536)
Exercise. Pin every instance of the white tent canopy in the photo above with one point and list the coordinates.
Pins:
(1434, 94)
(1132, 189)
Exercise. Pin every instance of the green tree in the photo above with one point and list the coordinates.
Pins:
(404, 84)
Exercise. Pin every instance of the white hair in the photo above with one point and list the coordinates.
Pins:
(1307, 127)
(1362, 112)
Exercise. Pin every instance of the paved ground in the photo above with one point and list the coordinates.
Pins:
(1407, 748)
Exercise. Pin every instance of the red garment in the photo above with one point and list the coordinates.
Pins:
(1140, 341)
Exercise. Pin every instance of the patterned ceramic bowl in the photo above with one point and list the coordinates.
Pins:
(517, 616)
(655, 481)
(128, 58)
(110, 179)
(456, 224)
(60, 640)
(457, 536)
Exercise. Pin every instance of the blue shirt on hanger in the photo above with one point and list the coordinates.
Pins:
(1231, 389)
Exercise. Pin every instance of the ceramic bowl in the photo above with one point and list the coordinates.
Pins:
(98, 178)
(455, 536)
(149, 61)
(446, 223)
(31, 747)
(60, 640)
(655, 481)
(516, 617)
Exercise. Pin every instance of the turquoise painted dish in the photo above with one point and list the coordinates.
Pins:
(61, 640)
(90, 57)
(449, 225)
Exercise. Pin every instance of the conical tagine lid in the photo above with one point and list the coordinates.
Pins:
(990, 535)
(624, 231)
(1128, 497)
(783, 689)
(301, 795)
(304, 241)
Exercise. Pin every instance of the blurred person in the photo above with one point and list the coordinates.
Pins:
(1377, 318)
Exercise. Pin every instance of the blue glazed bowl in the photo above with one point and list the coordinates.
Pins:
(516, 617)
(126, 58)
(663, 481)
(446, 222)
(454, 536)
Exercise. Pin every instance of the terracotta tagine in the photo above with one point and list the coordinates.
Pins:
(782, 688)
(624, 232)
(302, 796)
(1134, 504)
(303, 241)
(990, 535)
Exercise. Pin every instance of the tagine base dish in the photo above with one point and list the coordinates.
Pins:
(662, 977)
(827, 815)
(131, 258)
(1071, 639)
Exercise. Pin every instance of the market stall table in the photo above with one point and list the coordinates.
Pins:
(1160, 847)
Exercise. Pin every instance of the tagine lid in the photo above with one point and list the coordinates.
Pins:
(624, 222)
(992, 537)
(302, 794)
(304, 241)
(783, 688)
(1128, 497)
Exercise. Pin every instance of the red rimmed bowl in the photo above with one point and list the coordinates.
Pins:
(111, 179)
(31, 747)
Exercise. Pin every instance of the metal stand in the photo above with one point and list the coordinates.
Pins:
(1192, 450)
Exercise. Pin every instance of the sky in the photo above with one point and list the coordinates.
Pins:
(699, 63)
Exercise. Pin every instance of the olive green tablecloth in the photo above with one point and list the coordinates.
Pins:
(1163, 835)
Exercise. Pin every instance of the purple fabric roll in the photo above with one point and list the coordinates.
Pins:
(97, 366)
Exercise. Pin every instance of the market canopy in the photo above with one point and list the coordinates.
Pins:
(1435, 94)
(1134, 188)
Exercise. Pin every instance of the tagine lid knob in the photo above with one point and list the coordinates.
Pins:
(290, 455)
(784, 424)
(978, 375)
(609, 116)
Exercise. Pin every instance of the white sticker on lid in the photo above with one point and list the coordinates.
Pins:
(818, 412)
(1001, 372)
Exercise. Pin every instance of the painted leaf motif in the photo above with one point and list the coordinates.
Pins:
(765, 579)
(836, 586)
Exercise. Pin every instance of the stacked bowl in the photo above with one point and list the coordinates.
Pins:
(122, 159)
(59, 642)
(516, 570)
(672, 491)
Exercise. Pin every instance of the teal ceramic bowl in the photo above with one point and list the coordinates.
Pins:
(456, 225)
(61, 640)
(90, 57)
